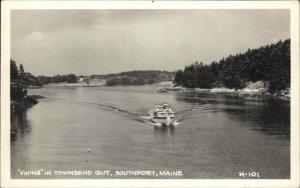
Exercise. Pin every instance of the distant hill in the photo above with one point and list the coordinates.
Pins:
(124, 78)
(136, 77)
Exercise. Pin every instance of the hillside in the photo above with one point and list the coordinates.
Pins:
(136, 77)
(123, 78)
(270, 64)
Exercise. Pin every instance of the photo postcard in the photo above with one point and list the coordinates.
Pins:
(150, 94)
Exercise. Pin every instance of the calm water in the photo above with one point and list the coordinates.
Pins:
(218, 136)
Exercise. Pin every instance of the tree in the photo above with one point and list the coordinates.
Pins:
(21, 70)
(178, 78)
(14, 73)
(204, 77)
(17, 87)
(270, 63)
(71, 78)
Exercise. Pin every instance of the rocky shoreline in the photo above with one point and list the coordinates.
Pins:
(26, 102)
(253, 90)
(284, 95)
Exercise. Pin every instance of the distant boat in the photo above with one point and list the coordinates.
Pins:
(162, 91)
(163, 114)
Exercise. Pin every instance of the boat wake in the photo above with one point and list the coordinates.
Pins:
(155, 124)
(116, 109)
(147, 119)
(133, 116)
(175, 123)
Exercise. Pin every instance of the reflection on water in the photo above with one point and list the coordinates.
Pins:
(19, 125)
(268, 116)
(218, 136)
(164, 131)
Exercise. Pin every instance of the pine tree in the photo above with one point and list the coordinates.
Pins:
(270, 63)
(21, 70)
(14, 73)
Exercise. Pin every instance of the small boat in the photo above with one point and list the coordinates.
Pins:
(162, 91)
(163, 114)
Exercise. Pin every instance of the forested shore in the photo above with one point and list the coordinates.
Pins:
(19, 100)
(258, 72)
(135, 77)
(269, 64)
(20, 80)
(141, 77)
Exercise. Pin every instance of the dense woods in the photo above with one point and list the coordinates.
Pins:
(20, 80)
(270, 63)
(136, 77)
(41, 80)
(26, 78)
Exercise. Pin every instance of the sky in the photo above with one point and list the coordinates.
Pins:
(86, 42)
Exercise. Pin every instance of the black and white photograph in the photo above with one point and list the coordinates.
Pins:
(147, 93)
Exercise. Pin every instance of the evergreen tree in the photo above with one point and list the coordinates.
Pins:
(178, 78)
(270, 63)
(14, 73)
(21, 70)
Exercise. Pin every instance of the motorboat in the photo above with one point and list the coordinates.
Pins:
(163, 114)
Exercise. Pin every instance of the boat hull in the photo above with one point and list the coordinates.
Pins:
(163, 121)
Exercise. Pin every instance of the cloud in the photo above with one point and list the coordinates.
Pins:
(106, 41)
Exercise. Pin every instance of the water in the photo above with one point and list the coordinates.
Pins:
(102, 128)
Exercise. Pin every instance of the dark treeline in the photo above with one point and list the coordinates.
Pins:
(136, 77)
(41, 80)
(269, 63)
(20, 80)
(26, 78)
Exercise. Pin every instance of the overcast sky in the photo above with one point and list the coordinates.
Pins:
(49, 42)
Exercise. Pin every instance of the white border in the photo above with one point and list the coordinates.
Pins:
(293, 6)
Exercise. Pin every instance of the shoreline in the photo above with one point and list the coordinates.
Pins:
(257, 90)
(98, 84)
(253, 90)
(240, 93)
(25, 103)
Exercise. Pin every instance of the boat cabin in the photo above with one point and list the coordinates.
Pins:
(163, 111)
